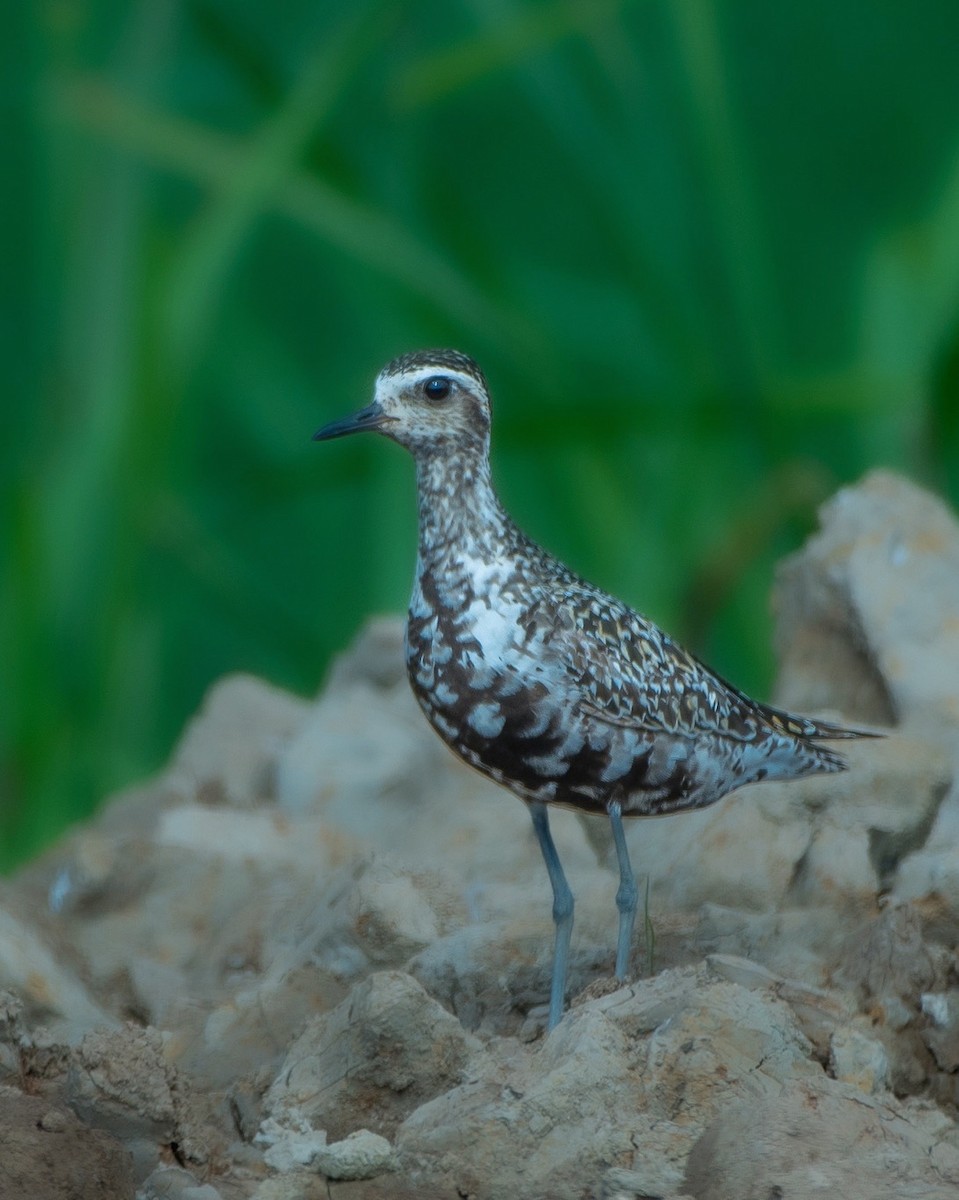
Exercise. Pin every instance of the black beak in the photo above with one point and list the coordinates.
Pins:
(371, 417)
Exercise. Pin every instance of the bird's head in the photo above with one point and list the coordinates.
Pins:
(431, 401)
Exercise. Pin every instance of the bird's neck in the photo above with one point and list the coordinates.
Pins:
(459, 512)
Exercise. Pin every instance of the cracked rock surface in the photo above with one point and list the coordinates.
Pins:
(311, 958)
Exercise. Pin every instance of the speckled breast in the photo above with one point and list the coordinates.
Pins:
(519, 731)
(528, 734)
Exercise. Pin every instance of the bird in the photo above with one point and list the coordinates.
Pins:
(541, 681)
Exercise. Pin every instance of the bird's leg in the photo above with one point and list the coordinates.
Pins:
(627, 895)
(562, 912)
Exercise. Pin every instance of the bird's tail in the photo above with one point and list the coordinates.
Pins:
(810, 730)
(828, 761)
(796, 726)
(799, 743)
(810, 733)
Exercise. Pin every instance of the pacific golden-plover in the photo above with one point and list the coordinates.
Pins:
(544, 683)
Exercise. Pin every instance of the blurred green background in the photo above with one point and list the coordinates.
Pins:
(708, 255)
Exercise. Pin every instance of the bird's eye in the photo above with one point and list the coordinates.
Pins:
(437, 387)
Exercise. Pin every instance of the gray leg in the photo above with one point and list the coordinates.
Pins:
(627, 896)
(562, 912)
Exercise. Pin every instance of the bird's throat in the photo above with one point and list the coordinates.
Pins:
(457, 507)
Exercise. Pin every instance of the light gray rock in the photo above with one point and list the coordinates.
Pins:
(890, 955)
(819, 1013)
(799, 1144)
(795, 943)
(48, 991)
(493, 974)
(874, 816)
(312, 939)
(236, 904)
(12, 1035)
(293, 1185)
(825, 840)
(530, 1124)
(621, 1184)
(93, 865)
(358, 743)
(931, 873)
(697, 857)
(249, 1033)
(193, 896)
(868, 611)
(174, 1183)
(291, 1143)
(617, 1082)
(120, 1081)
(228, 752)
(857, 1058)
(385, 912)
(247, 901)
(942, 1034)
(386, 1048)
(157, 987)
(360, 1155)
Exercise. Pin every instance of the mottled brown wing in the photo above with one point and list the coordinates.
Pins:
(624, 671)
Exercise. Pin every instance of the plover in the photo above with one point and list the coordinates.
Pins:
(546, 684)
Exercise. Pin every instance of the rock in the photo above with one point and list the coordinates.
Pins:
(942, 1035)
(193, 897)
(823, 840)
(931, 871)
(793, 943)
(254, 1028)
(250, 1032)
(231, 908)
(386, 912)
(890, 956)
(525, 1125)
(798, 1144)
(376, 657)
(620, 1184)
(43, 1056)
(12, 1036)
(386, 1048)
(697, 857)
(47, 1154)
(361, 1155)
(120, 1081)
(229, 751)
(48, 991)
(89, 873)
(309, 940)
(173, 1183)
(358, 744)
(614, 1084)
(157, 987)
(819, 1013)
(315, 899)
(857, 1058)
(867, 613)
(866, 823)
(294, 1185)
(292, 1142)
